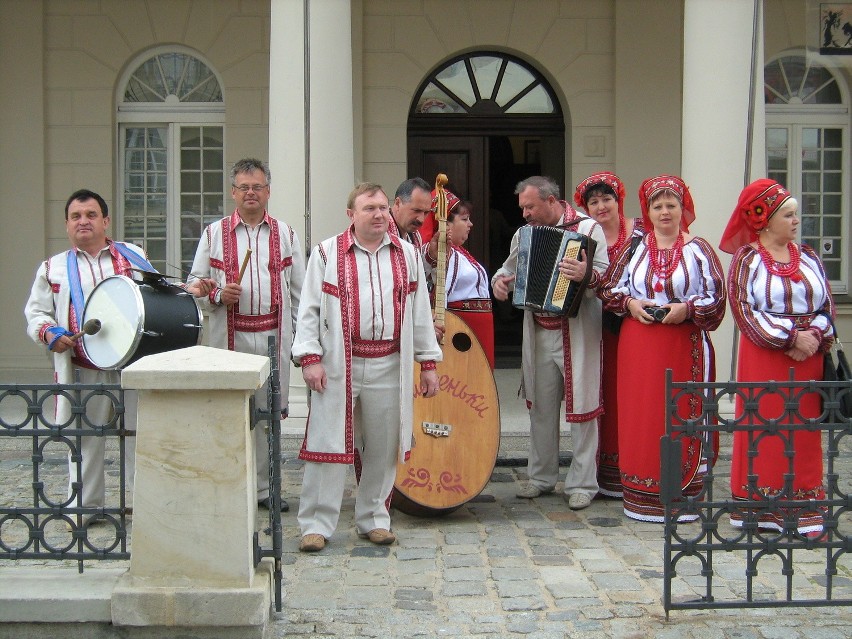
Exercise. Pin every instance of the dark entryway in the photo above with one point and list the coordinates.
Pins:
(488, 120)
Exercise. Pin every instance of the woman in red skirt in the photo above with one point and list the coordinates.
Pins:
(781, 302)
(671, 290)
(602, 196)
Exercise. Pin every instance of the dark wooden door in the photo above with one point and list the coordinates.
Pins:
(463, 161)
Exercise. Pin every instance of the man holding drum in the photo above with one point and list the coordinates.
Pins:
(54, 310)
(248, 274)
(560, 356)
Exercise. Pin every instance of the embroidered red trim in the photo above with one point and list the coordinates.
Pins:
(428, 365)
(43, 330)
(374, 348)
(255, 323)
(330, 289)
(476, 305)
(307, 360)
(326, 458)
(548, 322)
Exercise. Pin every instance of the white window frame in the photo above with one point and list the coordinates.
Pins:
(173, 115)
(795, 117)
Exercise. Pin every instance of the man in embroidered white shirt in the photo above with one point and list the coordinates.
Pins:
(363, 323)
(247, 305)
(54, 310)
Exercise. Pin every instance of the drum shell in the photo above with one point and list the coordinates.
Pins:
(161, 317)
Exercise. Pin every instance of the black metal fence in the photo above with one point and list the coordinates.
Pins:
(42, 515)
(775, 548)
(271, 415)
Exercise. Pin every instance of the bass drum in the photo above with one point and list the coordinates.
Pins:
(138, 319)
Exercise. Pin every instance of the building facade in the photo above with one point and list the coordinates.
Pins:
(150, 101)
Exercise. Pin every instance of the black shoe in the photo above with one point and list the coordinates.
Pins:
(266, 503)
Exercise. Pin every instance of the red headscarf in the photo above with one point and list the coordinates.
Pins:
(430, 224)
(609, 179)
(650, 187)
(757, 203)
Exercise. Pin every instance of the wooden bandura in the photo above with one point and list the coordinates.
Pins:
(457, 432)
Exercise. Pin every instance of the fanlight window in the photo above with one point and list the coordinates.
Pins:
(485, 84)
(173, 77)
(794, 80)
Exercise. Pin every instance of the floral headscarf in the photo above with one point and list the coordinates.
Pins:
(757, 203)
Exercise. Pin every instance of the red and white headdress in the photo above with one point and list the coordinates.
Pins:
(430, 224)
(652, 186)
(757, 203)
(609, 179)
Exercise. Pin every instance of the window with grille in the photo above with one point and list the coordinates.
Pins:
(172, 160)
(807, 150)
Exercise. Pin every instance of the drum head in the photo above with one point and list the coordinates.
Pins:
(117, 303)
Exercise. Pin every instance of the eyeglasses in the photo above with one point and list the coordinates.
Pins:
(245, 188)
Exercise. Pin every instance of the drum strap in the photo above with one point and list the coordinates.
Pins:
(76, 289)
(134, 258)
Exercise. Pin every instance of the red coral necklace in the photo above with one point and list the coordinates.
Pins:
(772, 265)
(663, 268)
(611, 251)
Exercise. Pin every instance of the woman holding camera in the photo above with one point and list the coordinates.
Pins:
(601, 195)
(671, 290)
(781, 301)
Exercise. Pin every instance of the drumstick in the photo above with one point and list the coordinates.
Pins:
(90, 327)
(243, 267)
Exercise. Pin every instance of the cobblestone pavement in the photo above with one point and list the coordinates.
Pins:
(502, 566)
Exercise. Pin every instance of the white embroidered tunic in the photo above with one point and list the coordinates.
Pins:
(352, 294)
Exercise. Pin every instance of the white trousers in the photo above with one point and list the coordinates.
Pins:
(545, 418)
(99, 410)
(375, 393)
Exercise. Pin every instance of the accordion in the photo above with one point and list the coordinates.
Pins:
(539, 286)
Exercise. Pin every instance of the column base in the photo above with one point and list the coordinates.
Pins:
(144, 607)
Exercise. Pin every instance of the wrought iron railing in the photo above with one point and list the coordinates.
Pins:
(42, 515)
(778, 567)
(271, 415)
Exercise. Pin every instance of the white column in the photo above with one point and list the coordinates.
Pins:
(332, 153)
(311, 139)
(717, 67)
(311, 130)
(287, 139)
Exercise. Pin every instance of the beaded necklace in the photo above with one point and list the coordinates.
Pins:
(661, 270)
(611, 251)
(772, 265)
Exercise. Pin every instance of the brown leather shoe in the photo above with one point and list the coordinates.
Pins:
(312, 542)
(379, 536)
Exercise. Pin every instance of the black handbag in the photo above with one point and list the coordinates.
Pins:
(839, 372)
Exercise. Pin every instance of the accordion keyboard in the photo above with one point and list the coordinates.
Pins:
(560, 291)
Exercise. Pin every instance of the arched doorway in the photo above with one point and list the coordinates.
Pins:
(488, 120)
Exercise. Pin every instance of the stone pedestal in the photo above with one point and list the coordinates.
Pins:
(194, 504)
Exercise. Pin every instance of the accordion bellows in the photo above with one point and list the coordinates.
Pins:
(539, 286)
